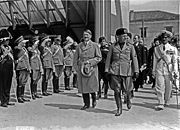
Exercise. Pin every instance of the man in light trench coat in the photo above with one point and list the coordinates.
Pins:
(121, 65)
(86, 58)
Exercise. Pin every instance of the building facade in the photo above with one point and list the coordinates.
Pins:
(153, 22)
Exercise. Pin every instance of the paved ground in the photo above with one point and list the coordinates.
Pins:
(62, 111)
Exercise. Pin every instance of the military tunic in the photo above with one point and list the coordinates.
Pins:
(122, 62)
(163, 84)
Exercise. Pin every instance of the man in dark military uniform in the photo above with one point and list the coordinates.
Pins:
(6, 68)
(121, 64)
(47, 62)
(23, 68)
(36, 65)
(58, 58)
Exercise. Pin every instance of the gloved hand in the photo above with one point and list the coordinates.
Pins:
(136, 75)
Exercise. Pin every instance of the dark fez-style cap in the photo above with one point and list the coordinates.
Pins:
(121, 31)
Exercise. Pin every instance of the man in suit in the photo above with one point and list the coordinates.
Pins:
(165, 69)
(23, 68)
(141, 56)
(121, 65)
(58, 58)
(86, 58)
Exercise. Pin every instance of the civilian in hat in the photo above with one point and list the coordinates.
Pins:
(47, 62)
(23, 68)
(6, 68)
(68, 61)
(36, 65)
(165, 69)
(58, 58)
(121, 65)
(86, 58)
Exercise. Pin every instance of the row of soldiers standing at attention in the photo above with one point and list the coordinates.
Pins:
(36, 57)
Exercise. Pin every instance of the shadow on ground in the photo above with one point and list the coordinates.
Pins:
(78, 107)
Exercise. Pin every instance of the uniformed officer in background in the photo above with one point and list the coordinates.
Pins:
(104, 47)
(58, 58)
(47, 62)
(121, 65)
(36, 65)
(68, 61)
(6, 68)
(23, 68)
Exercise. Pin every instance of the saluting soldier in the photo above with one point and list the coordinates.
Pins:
(121, 65)
(86, 58)
(23, 68)
(6, 68)
(47, 62)
(58, 58)
(36, 65)
(68, 61)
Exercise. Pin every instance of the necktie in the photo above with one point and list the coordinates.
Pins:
(164, 47)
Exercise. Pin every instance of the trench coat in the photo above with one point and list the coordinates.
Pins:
(91, 52)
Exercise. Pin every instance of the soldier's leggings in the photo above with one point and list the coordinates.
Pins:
(47, 75)
(35, 77)
(22, 78)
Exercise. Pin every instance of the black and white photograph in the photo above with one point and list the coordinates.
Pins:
(89, 65)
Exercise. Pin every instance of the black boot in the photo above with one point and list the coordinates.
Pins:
(67, 79)
(117, 97)
(129, 100)
(22, 94)
(18, 92)
(32, 86)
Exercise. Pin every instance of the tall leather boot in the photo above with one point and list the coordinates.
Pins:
(54, 81)
(129, 100)
(67, 79)
(118, 103)
(32, 86)
(105, 90)
(22, 94)
(18, 92)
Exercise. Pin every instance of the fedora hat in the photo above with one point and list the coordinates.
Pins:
(86, 69)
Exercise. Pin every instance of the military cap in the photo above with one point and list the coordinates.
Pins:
(20, 39)
(166, 33)
(121, 31)
(4, 35)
